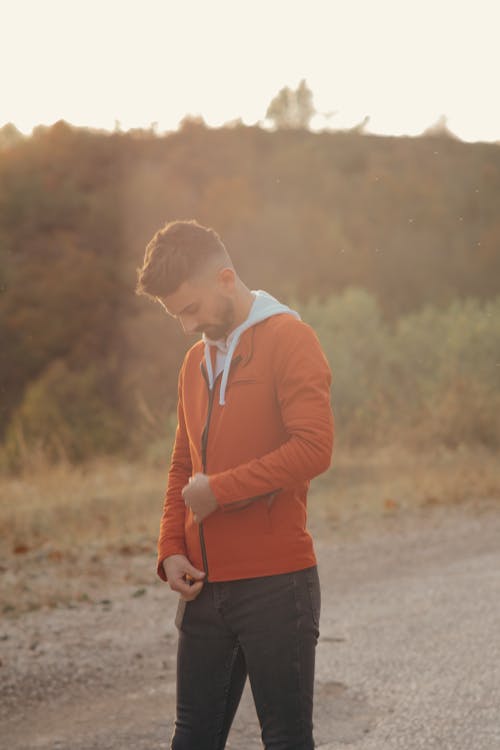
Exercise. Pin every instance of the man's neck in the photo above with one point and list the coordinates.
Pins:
(242, 308)
(243, 302)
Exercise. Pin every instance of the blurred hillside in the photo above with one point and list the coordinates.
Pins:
(391, 246)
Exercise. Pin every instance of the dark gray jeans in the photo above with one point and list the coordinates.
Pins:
(266, 628)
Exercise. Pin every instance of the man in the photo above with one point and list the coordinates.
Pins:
(254, 426)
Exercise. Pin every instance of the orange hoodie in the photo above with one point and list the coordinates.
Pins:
(260, 449)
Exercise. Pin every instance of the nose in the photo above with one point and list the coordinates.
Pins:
(189, 326)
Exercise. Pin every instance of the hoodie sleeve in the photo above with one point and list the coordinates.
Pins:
(171, 539)
(302, 380)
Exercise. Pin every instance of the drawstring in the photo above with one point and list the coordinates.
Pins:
(255, 316)
(227, 365)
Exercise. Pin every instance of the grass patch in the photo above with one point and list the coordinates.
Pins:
(69, 535)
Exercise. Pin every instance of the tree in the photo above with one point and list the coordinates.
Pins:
(9, 136)
(292, 109)
(440, 128)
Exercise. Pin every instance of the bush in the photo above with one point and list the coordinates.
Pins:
(64, 416)
(357, 345)
(432, 376)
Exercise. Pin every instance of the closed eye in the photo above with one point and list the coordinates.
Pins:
(190, 309)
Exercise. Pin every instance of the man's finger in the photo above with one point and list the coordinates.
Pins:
(182, 586)
(193, 591)
(194, 573)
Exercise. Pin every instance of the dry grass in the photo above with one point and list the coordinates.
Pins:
(69, 534)
(392, 479)
(103, 503)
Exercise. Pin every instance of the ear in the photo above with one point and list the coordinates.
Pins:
(226, 278)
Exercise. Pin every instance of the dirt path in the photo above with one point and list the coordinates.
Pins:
(409, 655)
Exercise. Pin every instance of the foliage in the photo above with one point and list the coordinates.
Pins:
(9, 135)
(433, 376)
(64, 415)
(292, 109)
(388, 244)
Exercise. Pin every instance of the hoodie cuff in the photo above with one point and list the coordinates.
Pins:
(214, 483)
(230, 502)
(163, 554)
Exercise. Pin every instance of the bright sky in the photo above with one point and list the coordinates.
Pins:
(404, 63)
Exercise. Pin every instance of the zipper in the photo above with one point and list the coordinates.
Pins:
(204, 443)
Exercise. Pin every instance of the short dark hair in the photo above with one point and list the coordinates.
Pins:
(178, 252)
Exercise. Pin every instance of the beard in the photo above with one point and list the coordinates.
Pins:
(220, 328)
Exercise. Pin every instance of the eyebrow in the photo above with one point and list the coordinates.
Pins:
(181, 312)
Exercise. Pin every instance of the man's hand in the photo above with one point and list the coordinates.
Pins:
(183, 577)
(199, 497)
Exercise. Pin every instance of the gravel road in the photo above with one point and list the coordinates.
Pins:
(409, 655)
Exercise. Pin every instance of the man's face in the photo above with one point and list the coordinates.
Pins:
(201, 306)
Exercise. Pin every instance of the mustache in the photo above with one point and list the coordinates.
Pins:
(202, 329)
(213, 330)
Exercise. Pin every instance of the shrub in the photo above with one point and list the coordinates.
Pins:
(432, 376)
(64, 415)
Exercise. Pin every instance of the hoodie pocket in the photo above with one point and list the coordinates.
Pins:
(246, 381)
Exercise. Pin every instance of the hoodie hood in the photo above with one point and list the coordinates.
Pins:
(264, 306)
